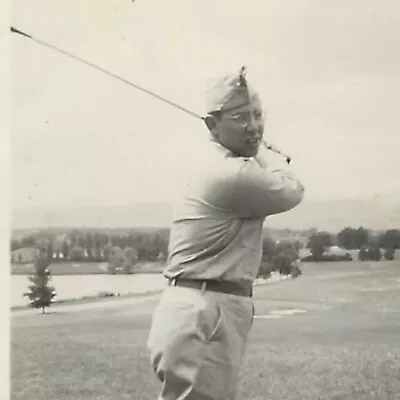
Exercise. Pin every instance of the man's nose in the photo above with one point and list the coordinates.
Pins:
(252, 124)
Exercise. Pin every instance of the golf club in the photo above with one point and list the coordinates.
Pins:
(68, 54)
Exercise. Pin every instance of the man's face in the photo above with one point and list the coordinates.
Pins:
(241, 130)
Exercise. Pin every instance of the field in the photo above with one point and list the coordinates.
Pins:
(331, 334)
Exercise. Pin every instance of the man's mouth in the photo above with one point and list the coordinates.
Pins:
(254, 141)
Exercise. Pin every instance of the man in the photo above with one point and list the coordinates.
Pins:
(200, 327)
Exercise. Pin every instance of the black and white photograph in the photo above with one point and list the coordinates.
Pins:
(203, 199)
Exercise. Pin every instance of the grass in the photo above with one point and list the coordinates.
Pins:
(90, 358)
(321, 372)
(344, 347)
(101, 297)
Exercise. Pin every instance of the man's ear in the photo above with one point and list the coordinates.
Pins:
(211, 122)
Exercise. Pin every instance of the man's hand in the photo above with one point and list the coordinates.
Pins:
(266, 158)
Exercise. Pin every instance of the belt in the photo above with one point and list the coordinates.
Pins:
(235, 288)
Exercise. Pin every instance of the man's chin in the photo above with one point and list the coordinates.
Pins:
(251, 152)
(248, 152)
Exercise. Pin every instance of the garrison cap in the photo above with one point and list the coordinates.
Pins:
(229, 92)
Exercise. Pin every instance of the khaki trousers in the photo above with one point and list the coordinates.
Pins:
(197, 341)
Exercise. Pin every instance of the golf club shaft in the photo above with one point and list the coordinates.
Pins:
(163, 99)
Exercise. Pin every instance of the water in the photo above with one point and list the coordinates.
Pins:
(75, 286)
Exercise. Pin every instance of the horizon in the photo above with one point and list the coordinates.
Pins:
(330, 215)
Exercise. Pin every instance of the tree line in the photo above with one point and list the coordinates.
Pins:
(369, 243)
(93, 246)
(123, 250)
(125, 247)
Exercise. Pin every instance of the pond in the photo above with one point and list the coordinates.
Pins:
(75, 286)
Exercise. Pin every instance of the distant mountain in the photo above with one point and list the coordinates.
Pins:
(140, 214)
(331, 215)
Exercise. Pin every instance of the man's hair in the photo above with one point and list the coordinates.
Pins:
(216, 114)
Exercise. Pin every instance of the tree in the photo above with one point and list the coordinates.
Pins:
(15, 244)
(74, 235)
(130, 259)
(369, 253)
(77, 253)
(130, 240)
(389, 253)
(143, 248)
(123, 241)
(318, 243)
(346, 238)
(65, 249)
(97, 247)
(390, 239)
(282, 263)
(350, 238)
(163, 240)
(80, 241)
(116, 260)
(298, 245)
(28, 241)
(89, 245)
(58, 243)
(268, 248)
(361, 237)
(42, 244)
(40, 293)
(265, 269)
(50, 251)
(107, 251)
(116, 241)
(278, 256)
(287, 248)
(375, 238)
(296, 271)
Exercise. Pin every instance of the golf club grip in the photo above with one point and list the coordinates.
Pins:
(277, 151)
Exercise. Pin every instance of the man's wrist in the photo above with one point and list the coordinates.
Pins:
(265, 158)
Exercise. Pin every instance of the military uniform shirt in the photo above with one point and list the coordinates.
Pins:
(216, 230)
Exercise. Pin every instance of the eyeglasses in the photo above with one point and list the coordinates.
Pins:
(244, 118)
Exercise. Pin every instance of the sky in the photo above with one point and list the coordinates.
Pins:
(328, 74)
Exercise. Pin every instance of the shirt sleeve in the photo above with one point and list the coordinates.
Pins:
(250, 187)
(260, 192)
